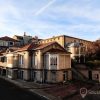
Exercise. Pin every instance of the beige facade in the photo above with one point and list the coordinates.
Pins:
(77, 51)
(45, 63)
(72, 39)
(90, 74)
(96, 75)
(8, 65)
(63, 39)
(58, 39)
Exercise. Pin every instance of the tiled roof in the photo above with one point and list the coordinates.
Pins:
(2, 51)
(19, 37)
(41, 46)
(33, 46)
(27, 47)
(6, 38)
(11, 49)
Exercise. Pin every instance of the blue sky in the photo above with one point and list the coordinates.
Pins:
(47, 18)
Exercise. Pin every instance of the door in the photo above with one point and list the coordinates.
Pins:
(34, 76)
(45, 76)
(20, 74)
(90, 75)
(53, 76)
(65, 76)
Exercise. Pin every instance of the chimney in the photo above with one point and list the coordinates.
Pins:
(24, 33)
(36, 37)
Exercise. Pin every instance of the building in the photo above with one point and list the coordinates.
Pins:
(78, 51)
(90, 74)
(26, 39)
(48, 62)
(23, 39)
(8, 42)
(78, 47)
(34, 39)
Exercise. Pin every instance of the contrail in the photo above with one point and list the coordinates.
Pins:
(43, 8)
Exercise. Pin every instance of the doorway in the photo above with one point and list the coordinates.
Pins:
(65, 76)
(20, 74)
(90, 75)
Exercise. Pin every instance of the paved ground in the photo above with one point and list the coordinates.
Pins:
(93, 93)
(68, 91)
(72, 91)
(9, 91)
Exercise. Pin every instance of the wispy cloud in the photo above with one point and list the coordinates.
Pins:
(79, 18)
(44, 7)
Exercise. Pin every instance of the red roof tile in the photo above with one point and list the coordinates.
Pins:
(41, 46)
(2, 51)
(33, 46)
(27, 47)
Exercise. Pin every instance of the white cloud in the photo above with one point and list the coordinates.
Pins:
(63, 17)
(9, 10)
(72, 10)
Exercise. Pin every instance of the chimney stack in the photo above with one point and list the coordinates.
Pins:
(24, 33)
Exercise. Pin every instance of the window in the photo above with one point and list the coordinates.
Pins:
(34, 75)
(21, 59)
(3, 59)
(36, 60)
(9, 72)
(65, 76)
(53, 60)
(10, 43)
(96, 76)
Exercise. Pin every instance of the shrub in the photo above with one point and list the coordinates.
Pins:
(95, 63)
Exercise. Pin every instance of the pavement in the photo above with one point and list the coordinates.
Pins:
(69, 91)
(33, 87)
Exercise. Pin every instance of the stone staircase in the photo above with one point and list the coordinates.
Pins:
(77, 75)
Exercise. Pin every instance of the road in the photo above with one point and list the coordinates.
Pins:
(9, 91)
